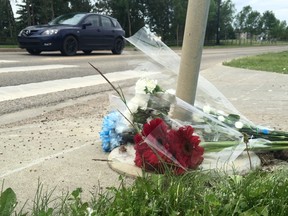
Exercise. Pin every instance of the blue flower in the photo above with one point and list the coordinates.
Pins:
(108, 135)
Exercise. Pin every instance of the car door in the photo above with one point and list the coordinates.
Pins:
(91, 32)
(107, 32)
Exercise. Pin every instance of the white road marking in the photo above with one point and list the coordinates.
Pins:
(7, 61)
(41, 160)
(34, 68)
(33, 89)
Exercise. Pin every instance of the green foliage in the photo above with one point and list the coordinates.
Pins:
(7, 202)
(42, 201)
(7, 23)
(226, 17)
(77, 207)
(273, 62)
(198, 193)
(194, 193)
(134, 14)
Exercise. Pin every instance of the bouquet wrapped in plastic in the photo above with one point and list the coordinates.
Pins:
(165, 132)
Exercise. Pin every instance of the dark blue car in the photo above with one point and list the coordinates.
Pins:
(72, 32)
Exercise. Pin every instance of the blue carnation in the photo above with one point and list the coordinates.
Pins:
(108, 135)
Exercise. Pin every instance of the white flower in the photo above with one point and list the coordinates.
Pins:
(221, 118)
(171, 91)
(239, 124)
(221, 112)
(207, 109)
(197, 118)
(139, 100)
(144, 83)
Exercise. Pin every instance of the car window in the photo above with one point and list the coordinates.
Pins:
(106, 22)
(94, 20)
(68, 19)
(115, 23)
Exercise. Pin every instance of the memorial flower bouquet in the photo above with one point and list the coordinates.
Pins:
(159, 142)
(166, 132)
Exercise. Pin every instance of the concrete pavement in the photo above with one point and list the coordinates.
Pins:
(61, 148)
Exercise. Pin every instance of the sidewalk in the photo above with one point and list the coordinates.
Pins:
(59, 148)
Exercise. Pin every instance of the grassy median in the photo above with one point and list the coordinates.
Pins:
(272, 62)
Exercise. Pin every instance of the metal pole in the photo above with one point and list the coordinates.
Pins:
(196, 21)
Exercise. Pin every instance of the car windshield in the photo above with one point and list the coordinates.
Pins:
(68, 19)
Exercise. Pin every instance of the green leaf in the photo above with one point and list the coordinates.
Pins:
(84, 207)
(8, 202)
(233, 117)
(49, 212)
(76, 193)
(261, 211)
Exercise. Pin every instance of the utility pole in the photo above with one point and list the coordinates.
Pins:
(196, 21)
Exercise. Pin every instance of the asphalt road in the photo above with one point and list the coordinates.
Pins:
(20, 69)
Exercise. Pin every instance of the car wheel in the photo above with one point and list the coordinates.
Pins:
(87, 52)
(34, 51)
(118, 46)
(70, 46)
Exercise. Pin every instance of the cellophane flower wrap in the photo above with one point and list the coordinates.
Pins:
(159, 147)
(170, 134)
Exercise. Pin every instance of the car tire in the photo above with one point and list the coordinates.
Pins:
(34, 51)
(87, 52)
(69, 46)
(118, 46)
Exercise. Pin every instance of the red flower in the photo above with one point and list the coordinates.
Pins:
(147, 157)
(185, 148)
(157, 144)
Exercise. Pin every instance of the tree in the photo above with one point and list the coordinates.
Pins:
(129, 13)
(7, 22)
(33, 12)
(80, 6)
(241, 21)
(160, 17)
(270, 24)
(179, 17)
(227, 10)
(253, 24)
(281, 31)
(226, 20)
(211, 22)
(241, 18)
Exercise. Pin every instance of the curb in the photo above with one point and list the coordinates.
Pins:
(11, 49)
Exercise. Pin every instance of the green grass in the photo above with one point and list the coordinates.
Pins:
(272, 62)
(8, 46)
(195, 193)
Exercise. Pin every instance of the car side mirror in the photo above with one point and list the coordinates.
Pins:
(86, 24)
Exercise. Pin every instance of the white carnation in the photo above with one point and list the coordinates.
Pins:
(144, 83)
(239, 125)
(221, 118)
(206, 109)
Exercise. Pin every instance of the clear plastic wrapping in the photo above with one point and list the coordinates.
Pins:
(169, 133)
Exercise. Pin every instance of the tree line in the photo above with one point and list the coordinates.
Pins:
(165, 17)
